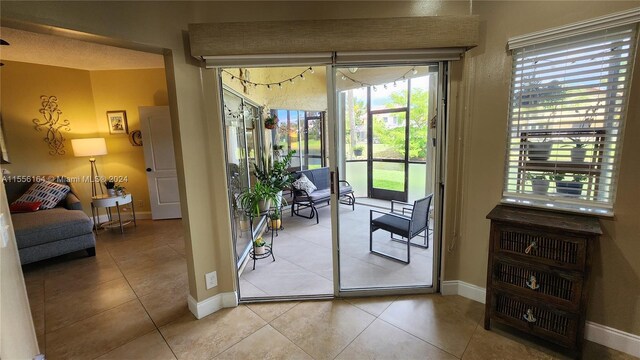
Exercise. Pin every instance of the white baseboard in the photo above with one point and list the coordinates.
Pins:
(212, 304)
(612, 338)
(470, 291)
(600, 334)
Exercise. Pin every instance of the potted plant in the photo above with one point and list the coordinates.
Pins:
(259, 246)
(539, 151)
(578, 152)
(271, 121)
(572, 188)
(539, 183)
(119, 189)
(357, 150)
(109, 185)
(259, 199)
(276, 174)
(276, 219)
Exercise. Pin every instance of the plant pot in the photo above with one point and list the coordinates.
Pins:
(264, 205)
(276, 223)
(539, 151)
(244, 224)
(578, 154)
(259, 250)
(120, 193)
(569, 188)
(111, 192)
(540, 186)
(357, 152)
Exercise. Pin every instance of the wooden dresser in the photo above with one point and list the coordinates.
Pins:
(538, 271)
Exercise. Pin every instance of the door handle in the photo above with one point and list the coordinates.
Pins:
(332, 176)
(149, 170)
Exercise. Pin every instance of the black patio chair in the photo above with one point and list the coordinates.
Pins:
(406, 226)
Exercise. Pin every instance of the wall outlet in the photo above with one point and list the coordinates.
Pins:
(211, 279)
(139, 203)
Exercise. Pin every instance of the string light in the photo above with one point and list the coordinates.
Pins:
(362, 83)
(269, 85)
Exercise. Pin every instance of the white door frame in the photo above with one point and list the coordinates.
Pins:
(336, 166)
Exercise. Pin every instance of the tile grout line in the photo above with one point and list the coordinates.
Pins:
(471, 338)
(360, 333)
(285, 336)
(143, 307)
(412, 335)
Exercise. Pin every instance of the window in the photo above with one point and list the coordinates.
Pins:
(301, 131)
(566, 115)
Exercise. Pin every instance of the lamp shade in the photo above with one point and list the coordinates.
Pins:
(89, 147)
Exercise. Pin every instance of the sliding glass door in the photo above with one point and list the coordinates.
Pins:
(386, 122)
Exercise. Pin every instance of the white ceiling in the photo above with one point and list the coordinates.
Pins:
(53, 50)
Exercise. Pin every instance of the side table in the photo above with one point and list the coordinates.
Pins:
(108, 202)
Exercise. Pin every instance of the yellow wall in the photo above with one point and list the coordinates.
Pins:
(484, 88)
(478, 107)
(22, 85)
(126, 90)
(84, 97)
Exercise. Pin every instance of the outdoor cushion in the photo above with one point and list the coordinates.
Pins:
(47, 192)
(46, 226)
(303, 183)
(345, 189)
(393, 224)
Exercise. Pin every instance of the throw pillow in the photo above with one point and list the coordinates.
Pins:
(47, 192)
(303, 183)
(20, 207)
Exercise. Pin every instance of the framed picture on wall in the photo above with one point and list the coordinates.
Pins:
(117, 122)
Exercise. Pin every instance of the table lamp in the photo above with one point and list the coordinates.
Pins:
(90, 147)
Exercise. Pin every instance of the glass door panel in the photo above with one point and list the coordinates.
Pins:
(382, 123)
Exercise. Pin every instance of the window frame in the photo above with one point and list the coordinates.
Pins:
(592, 202)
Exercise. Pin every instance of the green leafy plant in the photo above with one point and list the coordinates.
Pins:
(119, 188)
(275, 173)
(250, 199)
(258, 242)
(270, 122)
(556, 177)
(579, 178)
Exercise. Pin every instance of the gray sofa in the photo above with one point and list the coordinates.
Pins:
(48, 233)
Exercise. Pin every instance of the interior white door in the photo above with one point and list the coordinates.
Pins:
(160, 162)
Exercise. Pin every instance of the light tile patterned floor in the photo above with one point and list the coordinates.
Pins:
(129, 302)
(304, 263)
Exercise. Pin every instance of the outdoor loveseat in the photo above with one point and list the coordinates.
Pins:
(306, 199)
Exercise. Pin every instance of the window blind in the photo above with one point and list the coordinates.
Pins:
(566, 116)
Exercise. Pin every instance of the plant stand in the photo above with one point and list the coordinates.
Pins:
(268, 251)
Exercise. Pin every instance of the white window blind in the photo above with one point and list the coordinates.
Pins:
(566, 116)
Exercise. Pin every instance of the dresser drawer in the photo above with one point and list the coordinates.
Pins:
(549, 249)
(544, 321)
(555, 287)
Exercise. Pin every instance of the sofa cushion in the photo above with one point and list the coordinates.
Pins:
(47, 192)
(45, 226)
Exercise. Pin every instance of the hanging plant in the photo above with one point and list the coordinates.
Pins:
(271, 122)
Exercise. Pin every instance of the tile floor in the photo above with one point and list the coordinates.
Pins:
(129, 302)
(304, 263)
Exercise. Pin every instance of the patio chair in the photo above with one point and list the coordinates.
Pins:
(406, 226)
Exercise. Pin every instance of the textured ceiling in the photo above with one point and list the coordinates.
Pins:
(52, 50)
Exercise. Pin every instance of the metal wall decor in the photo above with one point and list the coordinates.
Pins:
(135, 137)
(51, 122)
